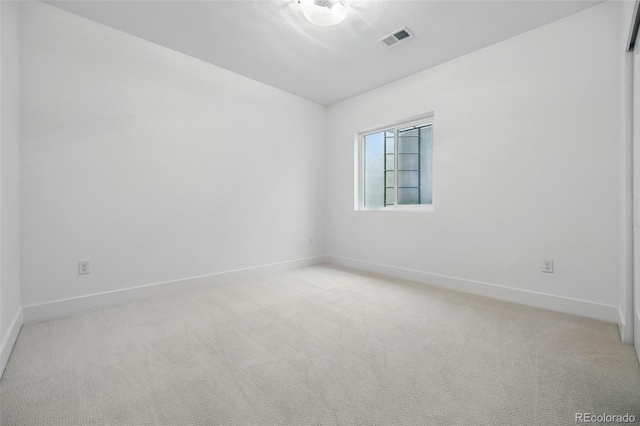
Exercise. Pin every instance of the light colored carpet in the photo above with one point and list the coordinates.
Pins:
(318, 345)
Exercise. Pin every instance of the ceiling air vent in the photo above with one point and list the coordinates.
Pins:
(396, 36)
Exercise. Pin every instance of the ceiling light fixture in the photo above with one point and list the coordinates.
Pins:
(324, 12)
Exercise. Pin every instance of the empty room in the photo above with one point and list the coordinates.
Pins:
(319, 212)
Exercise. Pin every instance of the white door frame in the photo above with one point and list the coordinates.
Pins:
(632, 182)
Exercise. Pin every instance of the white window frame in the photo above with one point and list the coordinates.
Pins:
(420, 120)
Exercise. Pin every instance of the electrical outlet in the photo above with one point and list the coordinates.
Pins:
(84, 267)
(310, 241)
(547, 266)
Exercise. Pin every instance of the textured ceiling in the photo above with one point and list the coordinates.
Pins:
(271, 42)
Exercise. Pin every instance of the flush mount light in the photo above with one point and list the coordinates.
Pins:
(324, 12)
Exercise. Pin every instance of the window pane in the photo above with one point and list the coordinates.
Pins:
(408, 161)
(415, 156)
(389, 198)
(426, 165)
(409, 179)
(408, 196)
(389, 195)
(408, 143)
(390, 179)
(389, 143)
(389, 163)
(374, 173)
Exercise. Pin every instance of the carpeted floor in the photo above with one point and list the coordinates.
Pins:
(318, 345)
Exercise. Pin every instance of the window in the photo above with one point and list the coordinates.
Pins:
(395, 167)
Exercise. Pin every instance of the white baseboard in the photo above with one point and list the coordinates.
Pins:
(6, 346)
(626, 330)
(583, 308)
(63, 307)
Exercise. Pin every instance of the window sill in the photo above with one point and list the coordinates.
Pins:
(427, 208)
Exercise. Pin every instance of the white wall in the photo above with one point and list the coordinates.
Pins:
(154, 165)
(10, 311)
(527, 165)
